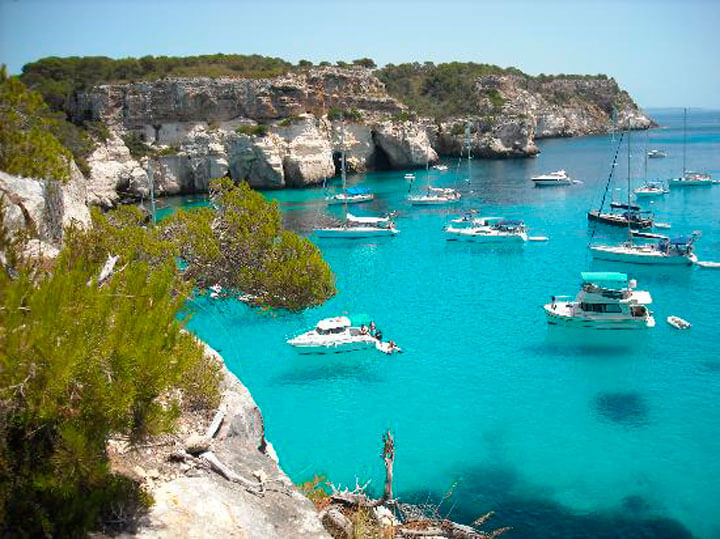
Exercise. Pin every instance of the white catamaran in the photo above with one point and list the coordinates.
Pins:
(607, 300)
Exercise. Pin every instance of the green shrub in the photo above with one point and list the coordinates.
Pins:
(85, 362)
(138, 148)
(496, 98)
(365, 62)
(402, 116)
(259, 130)
(244, 247)
(290, 120)
(338, 113)
(28, 142)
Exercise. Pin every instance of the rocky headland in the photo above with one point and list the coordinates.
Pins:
(287, 131)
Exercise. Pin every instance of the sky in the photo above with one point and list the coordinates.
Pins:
(665, 53)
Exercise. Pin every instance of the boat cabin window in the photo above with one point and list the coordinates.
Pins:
(330, 331)
(601, 307)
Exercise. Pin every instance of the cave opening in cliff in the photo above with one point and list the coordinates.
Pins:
(379, 159)
(337, 157)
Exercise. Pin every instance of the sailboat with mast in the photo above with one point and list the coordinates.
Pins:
(356, 227)
(689, 178)
(631, 217)
(437, 196)
(677, 251)
(650, 188)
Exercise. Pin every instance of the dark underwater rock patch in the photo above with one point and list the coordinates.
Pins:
(625, 408)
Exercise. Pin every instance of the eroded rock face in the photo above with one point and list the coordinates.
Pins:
(44, 208)
(203, 503)
(113, 170)
(195, 124)
(406, 144)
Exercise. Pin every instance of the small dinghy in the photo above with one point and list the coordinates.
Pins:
(538, 238)
(678, 323)
(708, 264)
(388, 347)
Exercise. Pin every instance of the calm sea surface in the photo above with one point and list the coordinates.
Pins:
(563, 433)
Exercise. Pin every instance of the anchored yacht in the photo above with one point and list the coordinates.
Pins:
(333, 335)
(676, 251)
(559, 177)
(656, 154)
(607, 300)
(489, 230)
(651, 189)
(359, 227)
(352, 195)
(435, 196)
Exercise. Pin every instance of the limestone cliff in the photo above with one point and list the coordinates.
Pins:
(286, 131)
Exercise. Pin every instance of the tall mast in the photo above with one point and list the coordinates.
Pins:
(628, 186)
(151, 185)
(342, 163)
(684, 139)
(468, 143)
(647, 136)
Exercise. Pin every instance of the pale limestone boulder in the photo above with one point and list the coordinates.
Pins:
(44, 208)
(113, 169)
(259, 160)
(406, 144)
(205, 504)
(308, 155)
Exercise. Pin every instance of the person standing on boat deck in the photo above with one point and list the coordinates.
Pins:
(363, 330)
(379, 335)
(372, 327)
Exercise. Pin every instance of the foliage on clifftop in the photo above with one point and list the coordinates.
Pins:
(446, 90)
(57, 78)
(439, 91)
(242, 246)
(83, 361)
(28, 146)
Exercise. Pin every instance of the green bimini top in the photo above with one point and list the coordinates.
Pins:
(605, 279)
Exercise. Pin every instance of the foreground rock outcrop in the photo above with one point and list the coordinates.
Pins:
(287, 131)
(43, 209)
(223, 480)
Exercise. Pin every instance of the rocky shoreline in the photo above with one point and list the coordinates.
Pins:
(286, 131)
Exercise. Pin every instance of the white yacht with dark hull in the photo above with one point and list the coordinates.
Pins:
(559, 177)
(333, 335)
(607, 300)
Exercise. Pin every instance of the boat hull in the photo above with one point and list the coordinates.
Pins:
(487, 238)
(339, 348)
(551, 183)
(650, 193)
(618, 220)
(355, 233)
(433, 202)
(657, 258)
(351, 200)
(559, 314)
(690, 183)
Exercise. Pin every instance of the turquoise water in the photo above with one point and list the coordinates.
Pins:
(563, 433)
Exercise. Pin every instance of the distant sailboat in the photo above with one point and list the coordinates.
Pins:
(688, 178)
(355, 227)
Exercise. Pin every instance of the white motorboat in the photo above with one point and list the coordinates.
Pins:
(440, 167)
(656, 154)
(353, 195)
(333, 335)
(678, 323)
(675, 251)
(435, 196)
(651, 189)
(607, 300)
(559, 177)
(489, 230)
(409, 176)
